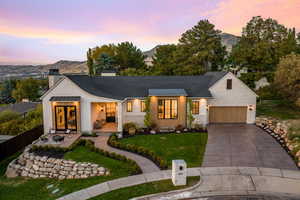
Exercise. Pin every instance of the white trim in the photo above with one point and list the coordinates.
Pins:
(54, 86)
(237, 79)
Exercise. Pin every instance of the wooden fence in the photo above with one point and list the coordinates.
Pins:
(18, 142)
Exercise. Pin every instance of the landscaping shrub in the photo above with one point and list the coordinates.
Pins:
(130, 128)
(91, 146)
(12, 123)
(89, 134)
(113, 141)
(179, 127)
(8, 115)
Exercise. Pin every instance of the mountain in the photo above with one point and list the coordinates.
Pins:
(37, 71)
(228, 40)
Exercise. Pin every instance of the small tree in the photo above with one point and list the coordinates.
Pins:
(190, 114)
(287, 77)
(147, 118)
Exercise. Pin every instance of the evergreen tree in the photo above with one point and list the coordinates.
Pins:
(129, 56)
(199, 50)
(163, 62)
(90, 62)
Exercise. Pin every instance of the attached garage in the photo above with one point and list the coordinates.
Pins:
(228, 114)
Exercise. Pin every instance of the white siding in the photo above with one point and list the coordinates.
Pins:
(67, 88)
(136, 115)
(239, 95)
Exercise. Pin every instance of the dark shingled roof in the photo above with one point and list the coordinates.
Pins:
(167, 92)
(121, 87)
(65, 98)
(20, 108)
(215, 76)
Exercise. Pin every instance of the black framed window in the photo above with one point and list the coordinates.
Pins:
(167, 108)
(195, 107)
(143, 106)
(129, 106)
(65, 118)
(229, 84)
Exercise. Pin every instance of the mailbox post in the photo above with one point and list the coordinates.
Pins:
(179, 172)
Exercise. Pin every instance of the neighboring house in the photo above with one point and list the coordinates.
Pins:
(106, 103)
(22, 108)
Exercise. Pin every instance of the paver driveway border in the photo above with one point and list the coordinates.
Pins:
(214, 181)
(244, 145)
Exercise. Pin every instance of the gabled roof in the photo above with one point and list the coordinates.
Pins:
(215, 76)
(121, 87)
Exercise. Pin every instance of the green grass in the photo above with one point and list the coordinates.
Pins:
(31, 189)
(144, 189)
(278, 109)
(187, 146)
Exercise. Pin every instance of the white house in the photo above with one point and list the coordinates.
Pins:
(106, 103)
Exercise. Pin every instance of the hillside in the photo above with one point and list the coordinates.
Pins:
(23, 71)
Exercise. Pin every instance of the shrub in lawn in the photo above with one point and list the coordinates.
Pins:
(113, 141)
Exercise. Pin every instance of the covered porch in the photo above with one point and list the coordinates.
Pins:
(106, 117)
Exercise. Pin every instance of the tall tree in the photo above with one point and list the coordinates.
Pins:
(163, 62)
(104, 62)
(287, 77)
(129, 56)
(90, 62)
(263, 43)
(199, 50)
(109, 49)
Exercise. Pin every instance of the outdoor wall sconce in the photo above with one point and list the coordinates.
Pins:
(250, 107)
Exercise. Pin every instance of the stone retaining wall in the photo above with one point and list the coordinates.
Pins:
(279, 130)
(30, 165)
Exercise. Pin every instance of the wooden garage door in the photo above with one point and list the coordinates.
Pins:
(226, 114)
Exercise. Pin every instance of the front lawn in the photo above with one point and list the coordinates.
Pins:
(144, 189)
(31, 189)
(187, 146)
(278, 109)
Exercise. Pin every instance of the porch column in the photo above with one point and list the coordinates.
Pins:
(120, 113)
(203, 111)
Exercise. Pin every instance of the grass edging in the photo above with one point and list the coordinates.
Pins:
(142, 151)
(165, 191)
(91, 146)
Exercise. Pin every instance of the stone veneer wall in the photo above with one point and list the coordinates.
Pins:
(279, 130)
(30, 165)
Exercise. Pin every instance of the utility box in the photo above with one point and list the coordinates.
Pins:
(179, 172)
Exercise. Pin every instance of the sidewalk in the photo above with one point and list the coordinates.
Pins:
(145, 164)
(214, 181)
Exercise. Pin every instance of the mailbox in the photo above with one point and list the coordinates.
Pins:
(179, 172)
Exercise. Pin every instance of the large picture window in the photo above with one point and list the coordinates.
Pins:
(143, 106)
(167, 109)
(195, 107)
(129, 106)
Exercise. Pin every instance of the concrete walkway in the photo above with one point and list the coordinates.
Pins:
(214, 181)
(145, 164)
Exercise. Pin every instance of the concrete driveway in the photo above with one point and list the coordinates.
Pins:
(244, 145)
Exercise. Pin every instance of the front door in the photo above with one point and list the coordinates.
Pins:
(110, 112)
(65, 118)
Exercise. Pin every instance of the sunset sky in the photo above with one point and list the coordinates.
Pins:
(45, 31)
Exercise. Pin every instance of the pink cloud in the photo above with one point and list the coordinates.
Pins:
(231, 15)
